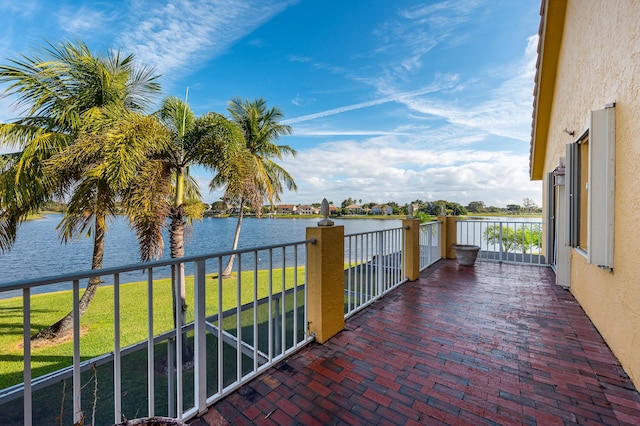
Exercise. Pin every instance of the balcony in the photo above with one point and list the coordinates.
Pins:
(418, 339)
(497, 343)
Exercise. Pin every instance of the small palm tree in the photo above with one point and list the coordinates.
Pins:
(167, 191)
(71, 96)
(261, 128)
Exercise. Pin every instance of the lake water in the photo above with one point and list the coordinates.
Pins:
(38, 252)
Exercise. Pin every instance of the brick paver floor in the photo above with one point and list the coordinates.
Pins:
(484, 345)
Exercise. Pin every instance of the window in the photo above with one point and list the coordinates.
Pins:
(591, 189)
(583, 190)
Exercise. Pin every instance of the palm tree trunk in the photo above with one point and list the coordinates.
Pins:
(227, 270)
(65, 325)
(176, 242)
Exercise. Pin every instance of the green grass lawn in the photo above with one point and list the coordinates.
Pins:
(97, 323)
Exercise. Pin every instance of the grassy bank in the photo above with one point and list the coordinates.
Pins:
(532, 215)
(97, 323)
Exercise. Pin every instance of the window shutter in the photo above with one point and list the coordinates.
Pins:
(572, 202)
(551, 219)
(602, 151)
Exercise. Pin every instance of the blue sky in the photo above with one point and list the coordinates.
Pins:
(388, 100)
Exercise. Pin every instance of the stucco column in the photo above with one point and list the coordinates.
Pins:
(325, 263)
(412, 248)
(448, 236)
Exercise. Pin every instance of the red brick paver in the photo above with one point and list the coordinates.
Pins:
(484, 345)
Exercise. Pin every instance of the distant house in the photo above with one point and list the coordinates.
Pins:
(233, 210)
(306, 209)
(388, 210)
(286, 209)
(333, 210)
(354, 209)
(377, 209)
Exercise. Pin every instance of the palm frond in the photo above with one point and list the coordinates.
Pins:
(147, 205)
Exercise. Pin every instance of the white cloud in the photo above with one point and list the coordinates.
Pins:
(177, 36)
(384, 168)
(417, 30)
(506, 111)
(84, 21)
(23, 7)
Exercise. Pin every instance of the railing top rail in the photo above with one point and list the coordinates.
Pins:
(375, 232)
(499, 221)
(37, 282)
(431, 222)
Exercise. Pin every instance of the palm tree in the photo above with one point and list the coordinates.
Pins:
(167, 191)
(178, 118)
(69, 97)
(261, 129)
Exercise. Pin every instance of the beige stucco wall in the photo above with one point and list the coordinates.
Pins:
(599, 63)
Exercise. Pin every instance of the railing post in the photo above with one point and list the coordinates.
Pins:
(448, 236)
(501, 241)
(77, 385)
(200, 338)
(379, 263)
(325, 262)
(412, 248)
(26, 320)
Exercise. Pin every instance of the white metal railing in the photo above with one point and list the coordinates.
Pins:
(429, 244)
(374, 265)
(233, 333)
(506, 241)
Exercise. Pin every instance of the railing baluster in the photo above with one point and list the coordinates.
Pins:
(379, 266)
(283, 325)
(239, 320)
(255, 311)
(200, 337)
(220, 329)
(402, 261)
(117, 368)
(350, 283)
(295, 296)
(77, 386)
(501, 241)
(361, 269)
(430, 229)
(150, 351)
(179, 341)
(270, 296)
(26, 320)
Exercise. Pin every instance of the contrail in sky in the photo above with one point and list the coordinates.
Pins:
(340, 110)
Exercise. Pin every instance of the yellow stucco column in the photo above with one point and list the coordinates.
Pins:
(448, 236)
(412, 248)
(325, 260)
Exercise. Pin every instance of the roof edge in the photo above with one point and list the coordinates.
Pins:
(552, 17)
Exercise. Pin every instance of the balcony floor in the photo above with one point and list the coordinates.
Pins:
(490, 344)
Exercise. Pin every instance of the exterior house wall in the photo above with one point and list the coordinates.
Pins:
(305, 209)
(599, 63)
(286, 208)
